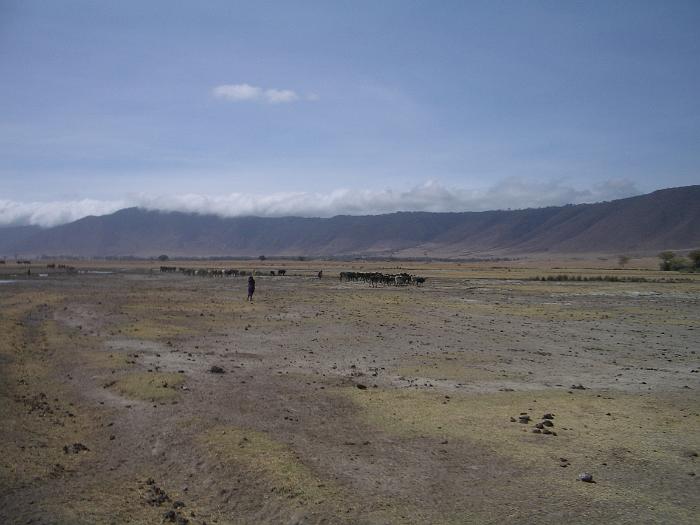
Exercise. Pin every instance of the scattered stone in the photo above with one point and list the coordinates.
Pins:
(217, 370)
(75, 448)
(178, 504)
(547, 423)
(524, 419)
(512, 419)
(548, 416)
(156, 496)
(536, 431)
(361, 386)
(578, 387)
(57, 471)
(586, 477)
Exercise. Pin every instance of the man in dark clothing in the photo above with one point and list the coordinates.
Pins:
(251, 288)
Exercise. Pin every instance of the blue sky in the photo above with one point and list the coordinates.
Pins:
(360, 106)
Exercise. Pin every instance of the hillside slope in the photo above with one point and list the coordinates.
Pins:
(665, 219)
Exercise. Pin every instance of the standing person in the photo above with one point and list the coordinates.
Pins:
(251, 288)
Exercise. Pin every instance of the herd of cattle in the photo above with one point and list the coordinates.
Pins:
(214, 272)
(377, 278)
(373, 278)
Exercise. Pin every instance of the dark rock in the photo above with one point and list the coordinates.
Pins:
(157, 496)
(548, 416)
(361, 386)
(178, 504)
(539, 425)
(75, 448)
(547, 423)
(586, 477)
(217, 370)
(578, 387)
(524, 419)
(170, 516)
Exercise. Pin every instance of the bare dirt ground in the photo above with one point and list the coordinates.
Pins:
(341, 403)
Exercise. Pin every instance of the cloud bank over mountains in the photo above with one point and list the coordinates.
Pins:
(431, 196)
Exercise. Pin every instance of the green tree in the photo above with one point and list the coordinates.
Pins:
(695, 257)
(666, 258)
(679, 263)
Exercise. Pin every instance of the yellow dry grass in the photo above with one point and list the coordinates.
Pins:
(456, 366)
(617, 437)
(155, 386)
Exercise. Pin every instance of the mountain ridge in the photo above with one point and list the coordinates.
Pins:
(664, 219)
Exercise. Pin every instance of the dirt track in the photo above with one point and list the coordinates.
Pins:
(341, 403)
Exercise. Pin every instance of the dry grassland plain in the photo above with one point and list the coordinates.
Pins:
(337, 402)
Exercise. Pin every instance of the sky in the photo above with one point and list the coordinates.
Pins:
(321, 108)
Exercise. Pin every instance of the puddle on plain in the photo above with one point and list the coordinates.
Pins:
(5, 281)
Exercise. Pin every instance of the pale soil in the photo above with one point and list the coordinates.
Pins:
(121, 364)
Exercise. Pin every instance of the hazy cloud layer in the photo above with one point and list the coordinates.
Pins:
(431, 196)
(52, 213)
(247, 93)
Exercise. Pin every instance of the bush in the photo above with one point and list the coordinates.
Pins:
(695, 257)
(679, 263)
(666, 258)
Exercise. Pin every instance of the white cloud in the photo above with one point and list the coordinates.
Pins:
(431, 196)
(276, 96)
(55, 212)
(246, 92)
(238, 92)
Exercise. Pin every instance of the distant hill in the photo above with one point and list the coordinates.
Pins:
(664, 219)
